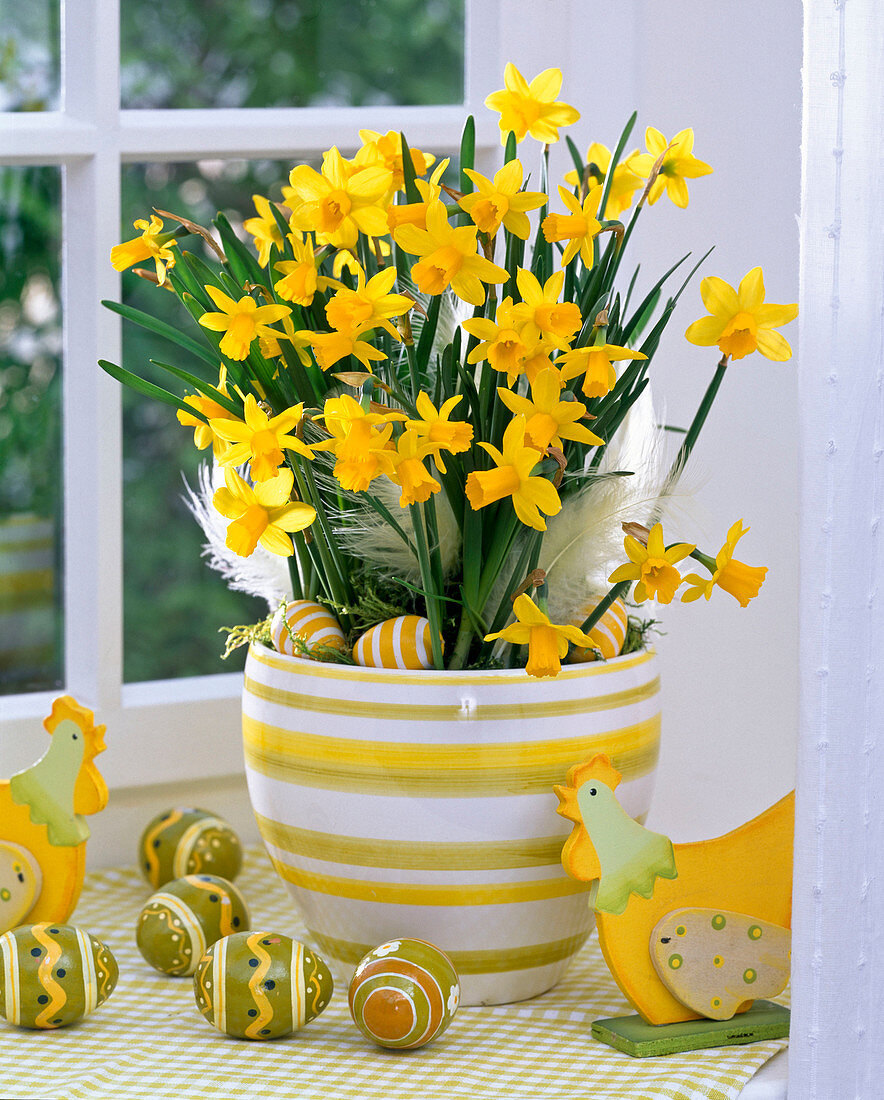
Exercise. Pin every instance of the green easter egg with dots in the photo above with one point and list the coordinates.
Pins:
(53, 974)
(179, 922)
(183, 842)
(261, 985)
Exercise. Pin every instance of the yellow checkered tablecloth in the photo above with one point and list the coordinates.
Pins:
(150, 1042)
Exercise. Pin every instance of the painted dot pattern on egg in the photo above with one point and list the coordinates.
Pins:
(608, 634)
(403, 642)
(404, 994)
(53, 974)
(178, 923)
(183, 841)
(306, 622)
(261, 985)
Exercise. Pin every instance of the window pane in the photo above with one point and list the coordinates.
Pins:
(29, 56)
(291, 53)
(30, 430)
(174, 604)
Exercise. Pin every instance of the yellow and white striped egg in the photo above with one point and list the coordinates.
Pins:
(178, 923)
(261, 985)
(403, 642)
(608, 634)
(308, 623)
(53, 974)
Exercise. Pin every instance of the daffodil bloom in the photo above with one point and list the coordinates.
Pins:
(531, 108)
(513, 478)
(623, 186)
(435, 426)
(653, 566)
(362, 449)
(743, 582)
(338, 203)
(262, 514)
(203, 434)
(501, 343)
(679, 164)
(501, 202)
(264, 229)
(369, 303)
(541, 312)
(578, 227)
(547, 642)
(153, 244)
(386, 150)
(741, 321)
(596, 366)
(415, 213)
(242, 322)
(260, 439)
(300, 277)
(449, 257)
(410, 473)
(330, 347)
(549, 420)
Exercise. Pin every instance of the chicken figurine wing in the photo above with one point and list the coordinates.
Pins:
(688, 931)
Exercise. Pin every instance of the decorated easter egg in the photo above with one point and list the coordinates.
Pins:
(717, 962)
(188, 842)
(404, 993)
(178, 923)
(261, 985)
(307, 623)
(608, 634)
(52, 974)
(403, 642)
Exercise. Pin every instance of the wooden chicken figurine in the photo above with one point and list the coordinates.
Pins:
(688, 930)
(42, 831)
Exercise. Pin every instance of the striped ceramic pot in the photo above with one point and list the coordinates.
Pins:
(420, 803)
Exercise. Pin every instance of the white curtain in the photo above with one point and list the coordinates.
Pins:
(837, 1047)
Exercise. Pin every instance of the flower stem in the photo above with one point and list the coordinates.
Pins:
(602, 606)
(693, 432)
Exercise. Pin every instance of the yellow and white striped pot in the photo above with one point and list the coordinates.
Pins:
(420, 803)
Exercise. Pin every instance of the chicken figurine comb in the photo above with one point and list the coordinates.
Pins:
(42, 829)
(694, 934)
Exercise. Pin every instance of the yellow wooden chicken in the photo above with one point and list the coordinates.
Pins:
(42, 831)
(687, 930)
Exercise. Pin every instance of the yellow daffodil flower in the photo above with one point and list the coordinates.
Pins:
(260, 439)
(370, 303)
(410, 473)
(501, 343)
(531, 108)
(203, 435)
(743, 582)
(300, 277)
(362, 449)
(264, 229)
(435, 426)
(242, 322)
(623, 186)
(415, 213)
(596, 366)
(262, 514)
(386, 150)
(153, 244)
(338, 203)
(679, 164)
(542, 314)
(578, 227)
(547, 642)
(501, 202)
(330, 347)
(512, 478)
(449, 257)
(741, 321)
(549, 420)
(653, 566)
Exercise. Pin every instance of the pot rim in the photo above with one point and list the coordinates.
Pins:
(266, 655)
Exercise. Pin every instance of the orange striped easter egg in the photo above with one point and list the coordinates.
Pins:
(608, 634)
(403, 642)
(310, 623)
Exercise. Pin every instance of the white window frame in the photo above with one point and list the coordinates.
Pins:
(163, 730)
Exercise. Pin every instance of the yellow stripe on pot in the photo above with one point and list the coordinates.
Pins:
(450, 712)
(443, 771)
(395, 893)
(471, 962)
